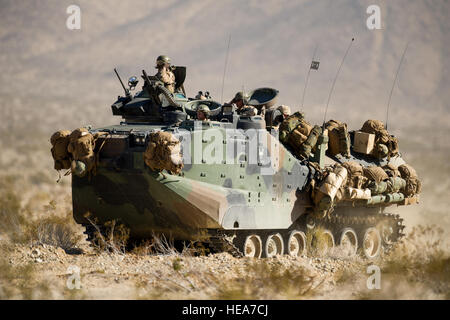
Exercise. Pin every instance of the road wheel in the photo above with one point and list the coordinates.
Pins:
(322, 241)
(252, 246)
(296, 245)
(274, 245)
(371, 243)
(348, 241)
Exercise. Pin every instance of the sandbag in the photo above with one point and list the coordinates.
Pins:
(375, 173)
(61, 156)
(163, 152)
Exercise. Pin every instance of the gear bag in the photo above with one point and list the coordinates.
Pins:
(61, 156)
(81, 146)
(339, 139)
(163, 152)
(375, 173)
(413, 184)
(292, 122)
(385, 144)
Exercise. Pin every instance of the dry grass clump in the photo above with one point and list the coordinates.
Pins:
(110, 237)
(20, 225)
(55, 231)
(159, 244)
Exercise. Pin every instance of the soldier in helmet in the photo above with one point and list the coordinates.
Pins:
(240, 100)
(285, 111)
(203, 112)
(165, 73)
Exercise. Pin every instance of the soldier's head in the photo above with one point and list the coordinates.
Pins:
(285, 110)
(162, 61)
(240, 99)
(203, 112)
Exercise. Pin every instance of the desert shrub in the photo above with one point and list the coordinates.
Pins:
(110, 237)
(55, 231)
(158, 244)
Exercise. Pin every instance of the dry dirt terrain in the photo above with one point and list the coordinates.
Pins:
(53, 78)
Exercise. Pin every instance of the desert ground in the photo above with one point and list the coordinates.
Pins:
(53, 78)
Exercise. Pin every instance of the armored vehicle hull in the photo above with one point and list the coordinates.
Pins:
(232, 181)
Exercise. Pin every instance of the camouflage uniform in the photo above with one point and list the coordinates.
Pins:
(285, 110)
(248, 111)
(167, 77)
(165, 73)
(240, 102)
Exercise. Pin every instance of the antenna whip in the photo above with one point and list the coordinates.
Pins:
(307, 77)
(334, 81)
(225, 68)
(393, 84)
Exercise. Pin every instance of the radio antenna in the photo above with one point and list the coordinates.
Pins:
(335, 78)
(307, 77)
(225, 68)
(393, 85)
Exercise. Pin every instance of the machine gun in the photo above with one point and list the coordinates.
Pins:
(155, 87)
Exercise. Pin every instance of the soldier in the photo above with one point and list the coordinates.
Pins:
(240, 100)
(165, 73)
(285, 111)
(203, 112)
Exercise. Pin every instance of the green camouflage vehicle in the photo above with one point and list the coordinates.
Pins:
(237, 188)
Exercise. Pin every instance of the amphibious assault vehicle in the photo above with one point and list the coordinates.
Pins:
(237, 187)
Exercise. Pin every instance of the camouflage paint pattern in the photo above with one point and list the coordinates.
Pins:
(231, 194)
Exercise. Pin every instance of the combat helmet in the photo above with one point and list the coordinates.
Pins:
(241, 95)
(285, 110)
(205, 109)
(161, 60)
